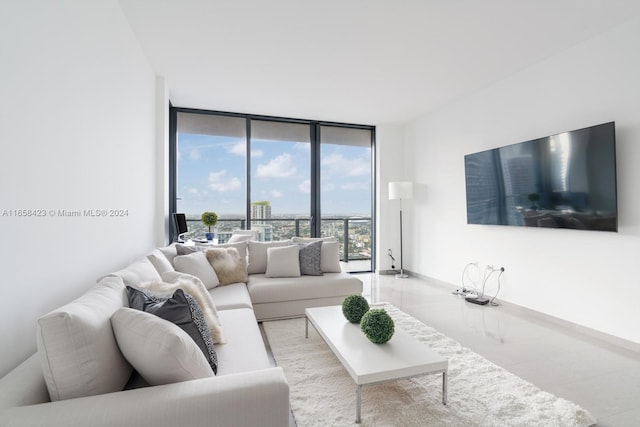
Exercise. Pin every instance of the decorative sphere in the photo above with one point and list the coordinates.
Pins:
(377, 325)
(354, 307)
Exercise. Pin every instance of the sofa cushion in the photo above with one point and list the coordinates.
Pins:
(265, 290)
(182, 310)
(196, 264)
(257, 255)
(310, 257)
(228, 265)
(283, 261)
(329, 255)
(245, 349)
(78, 352)
(231, 296)
(141, 270)
(160, 351)
(160, 261)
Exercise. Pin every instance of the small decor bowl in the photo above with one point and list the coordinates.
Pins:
(377, 325)
(354, 307)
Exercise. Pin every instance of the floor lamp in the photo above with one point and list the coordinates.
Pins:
(401, 190)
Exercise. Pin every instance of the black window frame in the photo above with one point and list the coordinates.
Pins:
(315, 141)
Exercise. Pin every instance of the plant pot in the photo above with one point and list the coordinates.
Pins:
(209, 236)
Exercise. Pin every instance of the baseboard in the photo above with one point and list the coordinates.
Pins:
(388, 272)
(622, 343)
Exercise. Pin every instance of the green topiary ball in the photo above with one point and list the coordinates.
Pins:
(377, 325)
(354, 307)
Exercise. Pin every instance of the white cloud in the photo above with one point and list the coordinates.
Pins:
(305, 186)
(277, 194)
(337, 164)
(193, 191)
(240, 149)
(194, 154)
(218, 181)
(278, 167)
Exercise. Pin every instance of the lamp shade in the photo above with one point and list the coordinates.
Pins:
(400, 190)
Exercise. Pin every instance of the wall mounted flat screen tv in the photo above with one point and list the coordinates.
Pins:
(560, 181)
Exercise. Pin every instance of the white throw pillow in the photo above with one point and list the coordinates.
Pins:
(160, 261)
(258, 255)
(169, 252)
(160, 351)
(196, 264)
(329, 254)
(283, 261)
(141, 270)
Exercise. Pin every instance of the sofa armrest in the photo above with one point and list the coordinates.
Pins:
(256, 398)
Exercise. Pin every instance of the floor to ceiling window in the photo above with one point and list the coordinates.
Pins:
(278, 177)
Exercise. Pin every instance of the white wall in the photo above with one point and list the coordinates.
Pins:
(78, 132)
(589, 278)
(389, 159)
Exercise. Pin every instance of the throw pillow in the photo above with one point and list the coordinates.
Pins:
(283, 261)
(185, 250)
(330, 254)
(228, 266)
(169, 252)
(193, 286)
(196, 264)
(257, 256)
(141, 270)
(235, 238)
(240, 246)
(160, 261)
(160, 351)
(310, 256)
(182, 310)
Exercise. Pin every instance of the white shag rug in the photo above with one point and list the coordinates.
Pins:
(480, 393)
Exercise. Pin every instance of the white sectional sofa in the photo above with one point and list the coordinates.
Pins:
(80, 376)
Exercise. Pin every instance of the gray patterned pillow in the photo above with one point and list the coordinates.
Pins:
(182, 310)
(310, 258)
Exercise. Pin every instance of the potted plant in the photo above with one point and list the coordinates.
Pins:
(209, 219)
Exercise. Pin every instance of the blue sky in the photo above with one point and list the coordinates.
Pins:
(211, 176)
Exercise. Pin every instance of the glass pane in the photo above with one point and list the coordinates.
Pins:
(211, 171)
(280, 179)
(346, 191)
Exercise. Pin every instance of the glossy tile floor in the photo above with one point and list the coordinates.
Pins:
(602, 378)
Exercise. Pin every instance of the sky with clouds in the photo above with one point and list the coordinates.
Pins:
(212, 175)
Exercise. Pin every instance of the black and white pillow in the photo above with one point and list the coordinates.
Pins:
(182, 310)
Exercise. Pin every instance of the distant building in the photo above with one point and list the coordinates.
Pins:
(260, 220)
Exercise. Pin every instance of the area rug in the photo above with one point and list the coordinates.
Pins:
(480, 393)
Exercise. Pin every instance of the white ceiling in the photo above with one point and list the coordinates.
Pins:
(356, 61)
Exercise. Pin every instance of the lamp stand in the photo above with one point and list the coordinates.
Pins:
(402, 274)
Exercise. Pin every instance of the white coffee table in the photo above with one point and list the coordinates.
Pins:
(401, 357)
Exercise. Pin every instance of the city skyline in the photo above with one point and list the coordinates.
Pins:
(212, 176)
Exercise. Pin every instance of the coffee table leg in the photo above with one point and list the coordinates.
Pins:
(444, 387)
(306, 327)
(358, 403)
